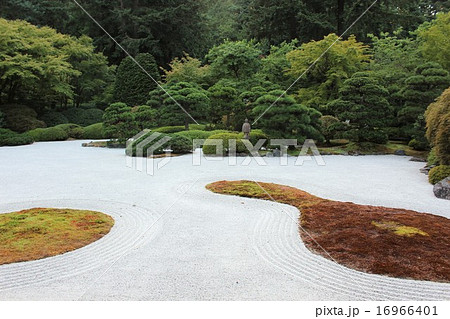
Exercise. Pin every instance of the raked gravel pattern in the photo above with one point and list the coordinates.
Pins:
(175, 240)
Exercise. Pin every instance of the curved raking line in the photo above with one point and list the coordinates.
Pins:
(277, 241)
(130, 223)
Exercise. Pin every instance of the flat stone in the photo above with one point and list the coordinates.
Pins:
(418, 159)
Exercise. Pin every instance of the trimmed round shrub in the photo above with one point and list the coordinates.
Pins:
(438, 173)
(220, 131)
(10, 138)
(225, 137)
(72, 130)
(255, 136)
(195, 134)
(200, 127)
(169, 129)
(48, 134)
(419, 144)
(53, 118)
(328, 125)
(94, 131)
(377, 137)
(178, 144)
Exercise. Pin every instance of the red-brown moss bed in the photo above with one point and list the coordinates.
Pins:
(44, 232)
(388, 241)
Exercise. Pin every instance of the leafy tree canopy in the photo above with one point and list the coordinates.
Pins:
(43, 65)
(321, 82)
(234, 59)
(434, 43)
(186, 69)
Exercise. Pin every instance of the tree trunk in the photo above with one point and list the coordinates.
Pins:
(186, 123)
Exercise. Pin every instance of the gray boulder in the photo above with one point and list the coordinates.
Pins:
(400, 152)
(442, 189)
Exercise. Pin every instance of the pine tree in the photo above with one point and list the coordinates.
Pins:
(132, 83)
(362, 102)
(285, 118)
(427, 84)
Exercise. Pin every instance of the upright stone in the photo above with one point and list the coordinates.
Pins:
(246, 128)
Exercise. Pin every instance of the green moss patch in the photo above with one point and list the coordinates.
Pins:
(43, 232)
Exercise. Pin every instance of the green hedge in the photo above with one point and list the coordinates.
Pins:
(10, 138)
(179, 144)
(255, 136)
(72, 130)
(438, 173)
(200, 127)
(225, 137)
(169, 129)
(195, 134)
(94, 131)
(420, 144)
(48, 134)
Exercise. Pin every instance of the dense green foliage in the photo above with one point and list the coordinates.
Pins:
(2, 119)
(20, 118)
(225, 103)
(279, 20)
(363, 105)
(434, 35)
(132, 82)
(222, 62)
(329, 125)
(234, 59)
(47, 67)
(226, 140)
(48, 134)
(94, 131)
(438, 127)
(81, 116)
(53, 118)
(421, 89)
(438, 173)
(177, 143)
(179, 102)
(72, 130)
(10, 138)
(285, 118)
(322, 81)
(118, 121)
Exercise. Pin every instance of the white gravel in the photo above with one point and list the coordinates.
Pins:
(174, 240)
